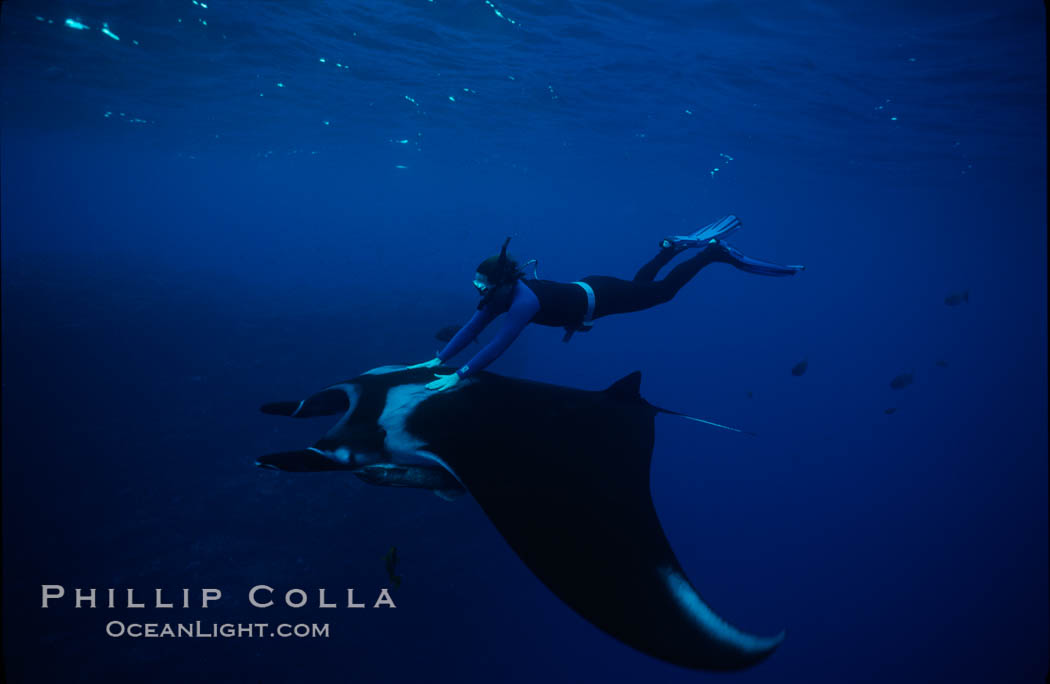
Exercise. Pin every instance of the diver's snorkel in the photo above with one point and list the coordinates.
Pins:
(501, 265)
(488, 283)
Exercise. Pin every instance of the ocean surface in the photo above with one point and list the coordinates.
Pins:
(207, 206)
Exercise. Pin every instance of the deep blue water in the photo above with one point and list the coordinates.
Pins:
(246, 202)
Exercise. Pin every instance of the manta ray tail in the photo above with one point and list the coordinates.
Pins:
(708, 422)
(628, 388)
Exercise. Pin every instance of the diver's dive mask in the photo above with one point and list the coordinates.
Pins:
(482, 284)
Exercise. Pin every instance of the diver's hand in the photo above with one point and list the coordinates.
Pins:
(443, 382)
(426, 364)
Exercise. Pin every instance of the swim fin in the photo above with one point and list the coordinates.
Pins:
(715, 231)
(732, 256)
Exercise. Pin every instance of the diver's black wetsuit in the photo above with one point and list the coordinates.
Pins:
(564, 305)
(615, 295)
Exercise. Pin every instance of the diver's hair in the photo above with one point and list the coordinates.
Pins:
(491, 269)
(502, 268)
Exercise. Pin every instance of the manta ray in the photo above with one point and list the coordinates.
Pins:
(562, 473)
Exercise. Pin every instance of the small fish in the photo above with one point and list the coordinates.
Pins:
(957, 298)
(800, 367)
(391, 566)
(890, 411)
(902, 381)
(941, 364)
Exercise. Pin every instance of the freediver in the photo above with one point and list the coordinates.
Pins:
(503, 287)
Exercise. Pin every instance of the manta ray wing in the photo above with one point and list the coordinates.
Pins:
(563, 474)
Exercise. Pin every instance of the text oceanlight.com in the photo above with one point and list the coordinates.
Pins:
(199, 630)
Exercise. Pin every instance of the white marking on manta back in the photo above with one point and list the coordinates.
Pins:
(401, 401)
(384, 369)
(298, 408)
(709, 622)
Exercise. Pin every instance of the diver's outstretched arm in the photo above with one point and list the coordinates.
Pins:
(466, 334)
(524, 306)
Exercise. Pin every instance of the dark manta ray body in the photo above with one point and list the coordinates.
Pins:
(562, 473)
